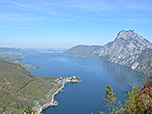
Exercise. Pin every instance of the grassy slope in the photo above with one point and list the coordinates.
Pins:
(19, 88)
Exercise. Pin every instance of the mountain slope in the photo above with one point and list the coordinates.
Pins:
(126, 49)
(19, 88)
(82, 50)
(145, 62)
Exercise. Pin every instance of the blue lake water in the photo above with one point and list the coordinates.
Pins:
(87, 96)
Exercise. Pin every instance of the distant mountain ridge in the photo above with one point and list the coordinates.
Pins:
(10, 51)
(126, 49)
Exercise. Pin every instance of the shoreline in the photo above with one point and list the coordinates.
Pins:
(53, 102)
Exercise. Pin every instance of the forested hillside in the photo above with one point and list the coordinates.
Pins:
(19, 88)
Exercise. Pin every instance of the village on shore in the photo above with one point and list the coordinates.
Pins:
(67, 79)
(58, 86)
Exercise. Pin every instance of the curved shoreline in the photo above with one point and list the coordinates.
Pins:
(53, 102)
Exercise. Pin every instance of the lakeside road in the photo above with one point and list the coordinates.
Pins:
(61, 81)
(51, 103)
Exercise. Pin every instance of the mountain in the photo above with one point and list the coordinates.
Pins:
(126, 49)
(9, 51)
(82, 51)
(145, 62)
(4, 50)
(19, 88)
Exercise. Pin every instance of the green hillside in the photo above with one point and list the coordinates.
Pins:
(82, 51)
(11, 58)
(19, 88)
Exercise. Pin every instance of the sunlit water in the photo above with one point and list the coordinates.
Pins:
(87, 96)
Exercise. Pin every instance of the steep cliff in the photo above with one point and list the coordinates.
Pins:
(128, 49)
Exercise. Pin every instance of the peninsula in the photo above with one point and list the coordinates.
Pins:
(58, 86)
(17, 60)
(20, 89)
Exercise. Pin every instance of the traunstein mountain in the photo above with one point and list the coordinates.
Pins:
(126, 49)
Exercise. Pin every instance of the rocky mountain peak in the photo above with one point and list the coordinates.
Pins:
(125, 49)
(128, 34)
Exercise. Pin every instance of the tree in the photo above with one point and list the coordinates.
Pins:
(138, 101)
(110, 100)
(28, 110)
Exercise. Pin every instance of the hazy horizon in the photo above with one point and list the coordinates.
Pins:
(64, 24)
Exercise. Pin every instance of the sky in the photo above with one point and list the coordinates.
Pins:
(66, 23)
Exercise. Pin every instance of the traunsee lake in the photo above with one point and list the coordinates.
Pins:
(95, 75)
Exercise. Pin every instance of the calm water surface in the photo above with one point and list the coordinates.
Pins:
(87, 96)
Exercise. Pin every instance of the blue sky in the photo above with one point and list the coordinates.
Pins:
(66, 23)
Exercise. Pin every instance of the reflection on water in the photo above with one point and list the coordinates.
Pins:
(123, 74)
(87, 96)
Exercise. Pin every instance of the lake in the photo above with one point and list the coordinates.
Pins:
(95, 75)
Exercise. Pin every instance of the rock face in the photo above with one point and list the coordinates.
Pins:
(125, 49)
(145, 62)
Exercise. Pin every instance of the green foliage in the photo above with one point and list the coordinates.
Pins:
(82, 51)
(138, 101)
(19, 88)
(28, 110)
(27, 66)
(16, 59)
(110, 100)
(12, 58)
(10, 110)
(130, 106)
